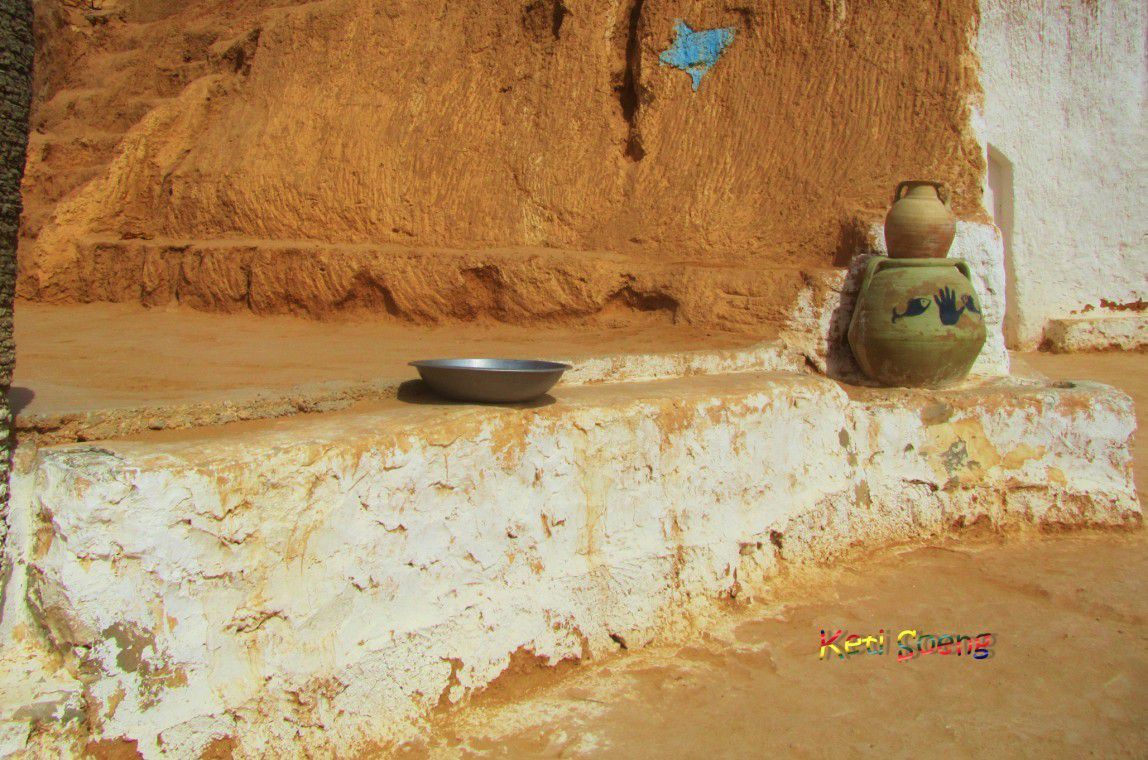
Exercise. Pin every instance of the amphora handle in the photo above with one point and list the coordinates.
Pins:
(877, 263)
(942, 189)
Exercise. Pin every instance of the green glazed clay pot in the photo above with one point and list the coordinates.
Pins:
(917, 322)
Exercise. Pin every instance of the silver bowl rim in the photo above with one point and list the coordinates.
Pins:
(518, 366)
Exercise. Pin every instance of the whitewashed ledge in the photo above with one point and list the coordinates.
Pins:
(324, 582)
(1121, 332)
(767, 356)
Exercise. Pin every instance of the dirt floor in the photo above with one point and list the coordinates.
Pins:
(1067, 676)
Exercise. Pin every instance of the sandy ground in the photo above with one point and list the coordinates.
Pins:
(99, 356)
(1068, 675)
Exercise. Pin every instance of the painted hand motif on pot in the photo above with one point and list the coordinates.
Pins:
(946, 299)
(894, 344)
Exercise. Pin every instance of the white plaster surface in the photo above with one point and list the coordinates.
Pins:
(1065, 88)
(326, 581)
(770, 356)
(1125, 333)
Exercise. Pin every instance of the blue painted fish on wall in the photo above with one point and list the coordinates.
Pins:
(696, 52)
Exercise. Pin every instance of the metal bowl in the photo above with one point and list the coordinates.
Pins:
(490, 381)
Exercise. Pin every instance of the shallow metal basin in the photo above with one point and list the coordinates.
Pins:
(490, 381)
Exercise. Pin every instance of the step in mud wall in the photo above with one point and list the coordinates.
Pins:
(808, 308)
(328, 581)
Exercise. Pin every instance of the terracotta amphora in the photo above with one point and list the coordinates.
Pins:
(920, 225)
(917, 322)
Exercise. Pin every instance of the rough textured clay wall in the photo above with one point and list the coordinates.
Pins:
(545, 123)
(1065, 88)
(15, 101)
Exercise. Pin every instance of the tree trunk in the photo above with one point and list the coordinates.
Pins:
(16, 50)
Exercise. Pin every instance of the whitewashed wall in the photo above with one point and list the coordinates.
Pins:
(1065, 104)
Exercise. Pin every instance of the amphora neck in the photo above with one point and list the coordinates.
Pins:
(922, 190)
